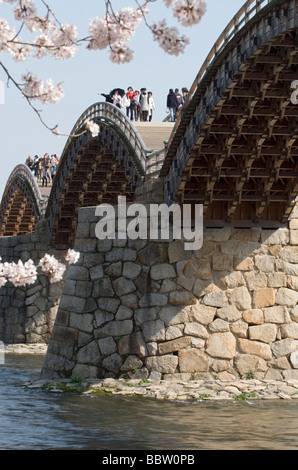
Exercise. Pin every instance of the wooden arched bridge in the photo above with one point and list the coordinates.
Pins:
(234, 147)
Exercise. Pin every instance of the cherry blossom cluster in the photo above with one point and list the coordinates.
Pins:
(22, 274)
(36, 89)
(60, 40)
(92, 127)
(115, 31)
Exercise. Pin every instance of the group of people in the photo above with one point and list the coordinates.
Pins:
(44, 168)
(139, 104)
(175, 101)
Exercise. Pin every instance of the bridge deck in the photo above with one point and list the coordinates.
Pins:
(154, 134)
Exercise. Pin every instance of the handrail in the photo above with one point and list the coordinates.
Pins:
(103, 111)
(242, 17)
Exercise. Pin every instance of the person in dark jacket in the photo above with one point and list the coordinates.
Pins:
(172, 105)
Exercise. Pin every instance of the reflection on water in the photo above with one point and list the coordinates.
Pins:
(32, 419)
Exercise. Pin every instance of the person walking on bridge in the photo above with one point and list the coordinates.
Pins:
(144, 101)
(130, 95)
(172, 105)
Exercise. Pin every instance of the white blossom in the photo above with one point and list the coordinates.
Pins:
(92, 127)
(168, 38)
(72, 256)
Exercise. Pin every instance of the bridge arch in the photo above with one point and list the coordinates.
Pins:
(94, 170)
(234, 147)
(22, 205)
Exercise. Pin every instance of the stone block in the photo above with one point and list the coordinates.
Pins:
(114, 255)
(239, 249)
(265, 263)
(286, 297)
(229, 313)
(219, 326)
(117, 328)
(107, 346)
(283, 347)
(265, 333)
(196, 329)
(177, 252)
(162, 271)
(255, 348)
(280, 236)
(193, 360)
(164, 364)
(289, 254)
(131, 363)
(153, 299)
(182, 297)
(123, 286)
(215, 299)
(239, 328)
(174, 315)
(124, 313)
(246, 363)
(294, 237)
(174, 345)
(254, 316)
(276, 314)
(202, 313)
(103, 288)
(294, 359)
(153, 253)
(244, 264)
(154, 331)
(277, 280)
(131, 270)
(221, 345)
(289, 330)
(264, 297)
(96, 272)
(78, 273)
(173, 332)
(143, 315)
(72, 303)
(221, 262)
(240, 298)
(255, 280)
(112, 363)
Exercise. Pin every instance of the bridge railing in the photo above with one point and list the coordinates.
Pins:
(242, 17)
(103, 111)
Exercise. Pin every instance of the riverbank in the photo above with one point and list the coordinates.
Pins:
(175, 389)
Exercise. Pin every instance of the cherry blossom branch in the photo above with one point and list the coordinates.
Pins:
(22, 274)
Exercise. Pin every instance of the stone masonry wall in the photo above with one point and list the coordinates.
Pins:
(27, 314)
(148, 309)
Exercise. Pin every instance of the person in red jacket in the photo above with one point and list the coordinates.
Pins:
(131, 96)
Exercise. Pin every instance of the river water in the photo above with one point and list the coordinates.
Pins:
(38, 420)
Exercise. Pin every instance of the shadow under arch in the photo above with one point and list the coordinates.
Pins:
(22, 204)
(94, 170)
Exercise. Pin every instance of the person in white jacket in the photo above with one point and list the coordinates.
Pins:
(151, 105)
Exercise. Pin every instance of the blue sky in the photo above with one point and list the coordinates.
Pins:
(91, 72)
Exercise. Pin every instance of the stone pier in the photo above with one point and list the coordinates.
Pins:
(150, 309)
(27, 314)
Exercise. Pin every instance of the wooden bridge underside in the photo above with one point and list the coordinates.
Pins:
(96, 177)
(19, 216)
(243, 164)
